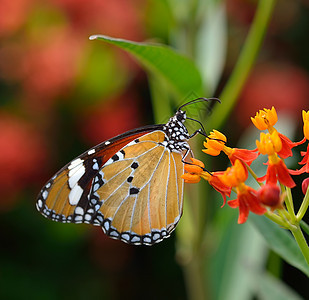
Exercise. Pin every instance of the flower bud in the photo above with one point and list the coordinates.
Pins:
(304, 185)
(269, 195)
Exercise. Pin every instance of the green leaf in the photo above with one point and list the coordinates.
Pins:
(238, 261)
(270, 288)
(281, 242)
(179, 71)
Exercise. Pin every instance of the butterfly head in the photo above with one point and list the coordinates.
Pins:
(176, 132)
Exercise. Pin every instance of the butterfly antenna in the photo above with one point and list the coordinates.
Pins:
(201, 99)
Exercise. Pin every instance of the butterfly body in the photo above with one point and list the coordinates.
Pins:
(129, 185)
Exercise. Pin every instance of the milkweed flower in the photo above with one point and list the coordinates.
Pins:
(247, 199)
(215, 143)
(265, 120)
(270, 144)
(196, 171)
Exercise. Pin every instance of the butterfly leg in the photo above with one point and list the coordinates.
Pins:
(199, 131)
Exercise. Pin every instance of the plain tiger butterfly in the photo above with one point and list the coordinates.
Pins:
(129, 185)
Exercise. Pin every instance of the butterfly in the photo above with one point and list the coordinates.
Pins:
(129, 185)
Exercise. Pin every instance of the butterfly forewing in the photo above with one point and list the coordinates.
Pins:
(72, 184)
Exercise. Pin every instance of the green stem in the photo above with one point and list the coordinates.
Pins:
(300, 239)
(304, 226)
(277, 219)
(289, 204)
(244, 64)
(254, 175)
(304, 206)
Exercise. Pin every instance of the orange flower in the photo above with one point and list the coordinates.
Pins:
(215, 143)
(278, 171)
(215, 181)
(234, 175)
(246, 196)
(269, 144)
(196, 171)
(265, 119)
(247, 201)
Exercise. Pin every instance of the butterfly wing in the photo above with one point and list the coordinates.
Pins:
(130, 186)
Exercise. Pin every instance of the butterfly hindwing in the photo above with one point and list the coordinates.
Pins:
(141, 200)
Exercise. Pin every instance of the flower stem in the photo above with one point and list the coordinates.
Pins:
(302, 244)
(289, 205)
(253, 175)
(277, 219)
(304, 226)
(304, 206)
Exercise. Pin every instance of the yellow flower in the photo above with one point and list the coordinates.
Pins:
(269, 143)
(306, 124)
(265, 119)
(215, 143)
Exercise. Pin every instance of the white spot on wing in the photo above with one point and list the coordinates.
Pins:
(91, 151)
(125, 236)
(156, 236)
(75, 163)
(87, 217)
(44, 195)
(106, 225)
(135, 239)
(79, 210)
(75, 174)
(95, 166)
(75, 194)
(40, 203)
(147, 240)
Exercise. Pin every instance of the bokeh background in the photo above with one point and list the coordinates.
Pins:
(60, 94)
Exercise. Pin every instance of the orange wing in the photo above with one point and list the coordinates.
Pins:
(142, 193)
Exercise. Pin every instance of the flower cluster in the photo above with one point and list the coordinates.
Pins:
(272, 193)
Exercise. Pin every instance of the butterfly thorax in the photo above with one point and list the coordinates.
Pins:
(176, 133)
